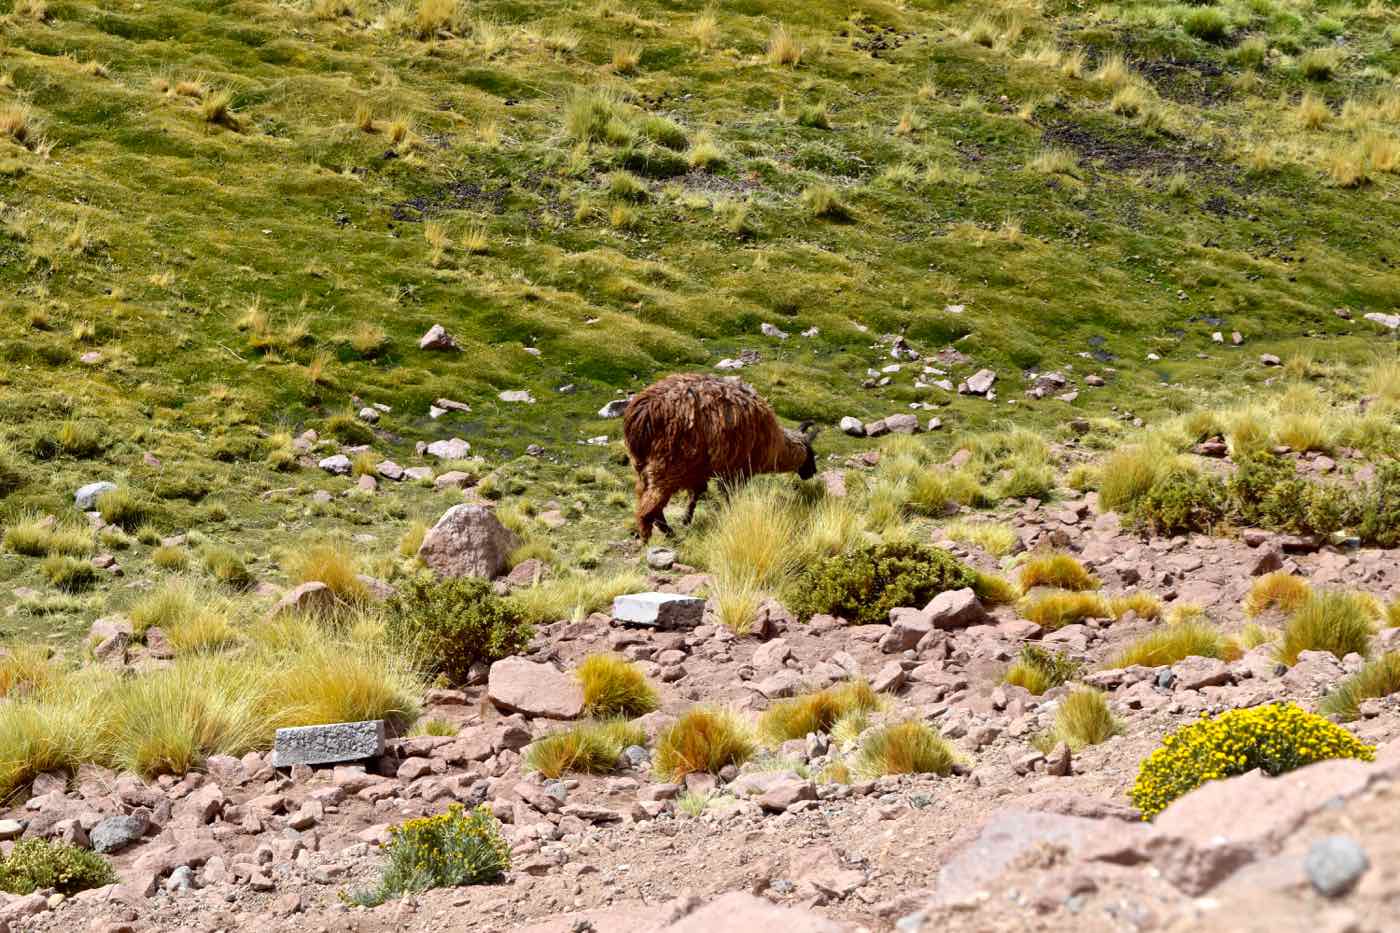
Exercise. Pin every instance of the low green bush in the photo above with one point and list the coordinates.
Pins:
(1039, 670)
(1379, 525)
(446, 626)
(41, 864)
(1267, 492)
(863, 585)
(453, 849)
(1182, 499)
(1275, 739)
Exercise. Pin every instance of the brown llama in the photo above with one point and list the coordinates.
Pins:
(687, 429)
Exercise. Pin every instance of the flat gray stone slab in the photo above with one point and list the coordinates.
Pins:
(659, 610)
(318, 745)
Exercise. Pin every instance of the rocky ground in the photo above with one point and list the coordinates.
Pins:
(1011, 841)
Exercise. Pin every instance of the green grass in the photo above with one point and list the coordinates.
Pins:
(214, 215)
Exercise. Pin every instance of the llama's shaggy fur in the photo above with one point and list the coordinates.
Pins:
(687, 429)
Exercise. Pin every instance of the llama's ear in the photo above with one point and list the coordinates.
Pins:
(809, 430)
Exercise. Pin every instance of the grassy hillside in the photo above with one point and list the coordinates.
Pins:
(227, 222)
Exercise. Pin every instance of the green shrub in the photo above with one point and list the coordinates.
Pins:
(1038, 670)
(905, 748)
(40, 864)
(1379, 678)
(1275, 739)
(614, 687)
(1182, 499)
(1328, 621)
(587, 748)
(863, 585)
(68, 574)
(453, 849)
(1380, 508)
(1268, 492)
(449, 625)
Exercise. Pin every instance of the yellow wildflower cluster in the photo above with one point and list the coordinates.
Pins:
(459, 847)
(1274, 739)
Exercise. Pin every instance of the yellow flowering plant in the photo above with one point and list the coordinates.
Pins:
(1275, 739)
(452, 849)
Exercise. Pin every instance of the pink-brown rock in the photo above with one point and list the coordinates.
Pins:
(520, 686)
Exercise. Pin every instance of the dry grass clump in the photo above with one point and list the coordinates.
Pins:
(703, 739)
(331, 563)
(27, 669)
(55, 729)
(994, 590)
(1143, 603)
(1083, 719)
(225, 565)
(1281, 591)
(1127, 475)
(783, 47)
(1254, 635)
(1038, 670)
(339, 680)
(816, 712)
(35, 535)
(1379, 678)
(172, 603)
(168, 722)
(612, 686)
(1340, 623)
(588, 748)
(1057, 609)
(823, 201)
(904, 748)
(1059, 571)
(1175, 642)
(68, 574)
(996, 539)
